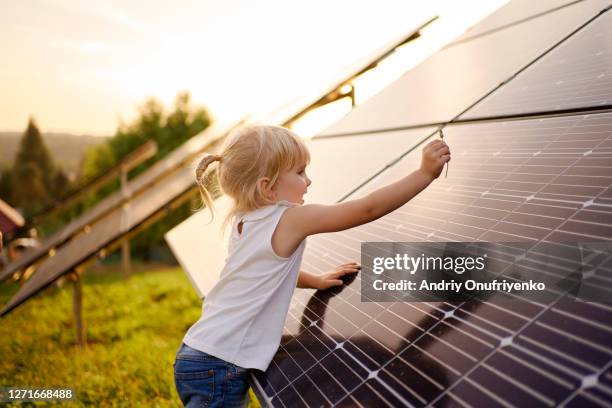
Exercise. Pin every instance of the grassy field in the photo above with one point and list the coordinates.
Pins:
(134, 326)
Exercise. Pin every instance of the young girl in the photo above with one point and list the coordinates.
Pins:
(263, 170)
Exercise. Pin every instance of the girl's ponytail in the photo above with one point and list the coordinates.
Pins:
(206, 160)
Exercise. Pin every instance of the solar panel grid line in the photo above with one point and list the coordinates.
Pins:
(548, 114)
(330, 385)
(452, 400)
(304, 375)
(576, 360)
(597, 312)
(596, 332)
(586, 367)
(580, 390)
(465, 237)
(547, 374)
(597, 335)
(505, 331)
(328, 323)
(534, 393)
(488, 337)
(332, 327)
(301, 376)
(528, 378)
(509, 391)
(590, 399)
(561, 369)
(469, 238)
(574, 337)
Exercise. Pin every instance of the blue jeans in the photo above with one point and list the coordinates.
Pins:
(203, 380)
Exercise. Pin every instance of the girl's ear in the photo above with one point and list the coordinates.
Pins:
(266, 188)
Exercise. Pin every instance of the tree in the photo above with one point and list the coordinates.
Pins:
(29, 190)
(33, 172)
(61, 183)
(6, 185)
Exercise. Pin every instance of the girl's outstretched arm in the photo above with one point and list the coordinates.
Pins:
(313, 219)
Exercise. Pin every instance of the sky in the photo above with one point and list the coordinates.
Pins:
(82, 66)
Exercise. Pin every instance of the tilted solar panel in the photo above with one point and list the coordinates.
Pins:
(444, 85)
(577, 74)
(539, 181)
(104, 232)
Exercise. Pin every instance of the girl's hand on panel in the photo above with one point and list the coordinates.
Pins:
(333, 278)
(435, 154)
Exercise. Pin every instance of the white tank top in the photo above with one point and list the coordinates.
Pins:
(244, 313)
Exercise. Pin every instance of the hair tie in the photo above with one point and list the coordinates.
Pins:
(206, 160)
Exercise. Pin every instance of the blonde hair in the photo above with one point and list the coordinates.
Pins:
(249, 154)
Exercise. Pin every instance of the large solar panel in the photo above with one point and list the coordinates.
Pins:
(539, 181)
(577, 74)
(447, 83)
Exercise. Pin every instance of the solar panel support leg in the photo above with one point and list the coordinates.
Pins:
(126, 259)
(77, 307)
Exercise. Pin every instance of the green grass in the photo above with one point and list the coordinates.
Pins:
(133, 327)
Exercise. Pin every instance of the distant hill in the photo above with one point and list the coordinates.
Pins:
(67, 149)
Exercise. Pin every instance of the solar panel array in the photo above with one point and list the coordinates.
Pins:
(544, 181)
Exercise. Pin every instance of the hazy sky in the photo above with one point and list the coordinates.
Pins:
(80, 65)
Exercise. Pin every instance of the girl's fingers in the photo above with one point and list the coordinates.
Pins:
(343, 272)
(442, 150)
(350, 265)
